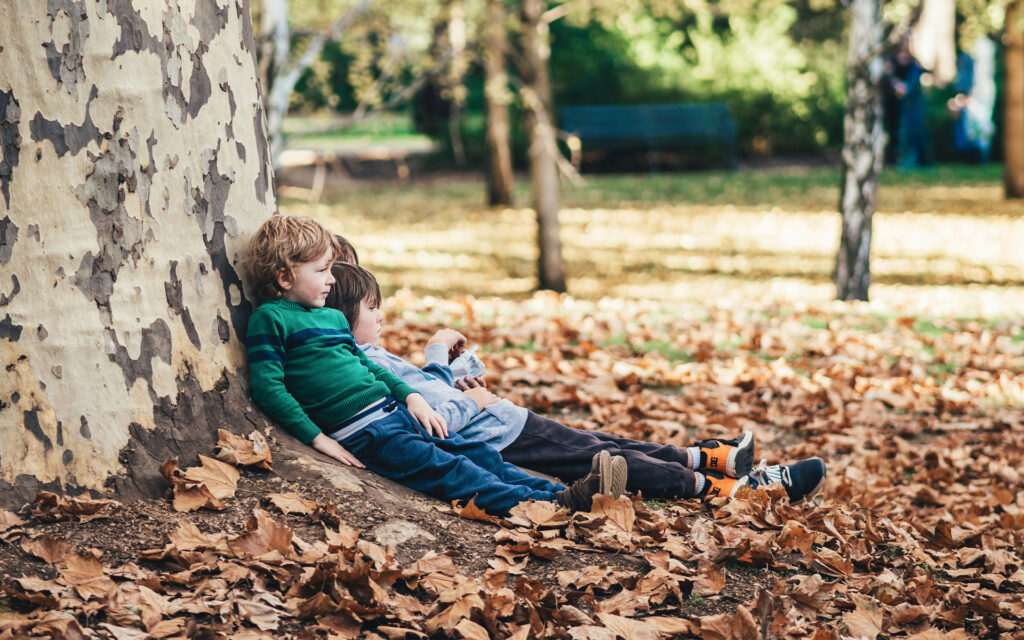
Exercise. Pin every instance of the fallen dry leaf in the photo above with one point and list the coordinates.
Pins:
(251, 451)
(47, 548)
(219, 477)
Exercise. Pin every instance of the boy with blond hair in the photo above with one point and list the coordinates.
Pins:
(707, 469)
(309, 376)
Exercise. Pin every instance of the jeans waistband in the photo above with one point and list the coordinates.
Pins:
(366, 416)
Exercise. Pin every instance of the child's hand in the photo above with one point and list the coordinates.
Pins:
(450, 338)
(470, 383)
(427, 417)
(326, 444)
(482, 397)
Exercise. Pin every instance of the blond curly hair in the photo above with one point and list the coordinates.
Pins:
(282, 242)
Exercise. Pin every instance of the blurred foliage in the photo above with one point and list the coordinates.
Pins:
(780, 71)
(778, 64)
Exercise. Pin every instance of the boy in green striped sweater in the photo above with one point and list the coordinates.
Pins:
(310, 377)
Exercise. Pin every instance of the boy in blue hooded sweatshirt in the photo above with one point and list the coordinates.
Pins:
(709, 468)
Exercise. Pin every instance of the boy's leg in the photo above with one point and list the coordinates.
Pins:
(490, 459)
(555, 449)
(397, 448)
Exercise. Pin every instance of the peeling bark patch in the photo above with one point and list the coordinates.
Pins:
(156, 342)
(9, 330)
(263, 153)
(223, 330)
(8, 236)
(186, 426)
(173, 42)
(172, 291)
(209, 19)
(32, 426)
(67, 138)
(60, 434)
(208, 207)
(66, 65)
(68, 457)
(120, 237)
(135, 34)
(200, 87)
(83, 429)
(6, 299)
(10, 141)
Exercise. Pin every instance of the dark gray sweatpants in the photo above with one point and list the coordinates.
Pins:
(656, 470)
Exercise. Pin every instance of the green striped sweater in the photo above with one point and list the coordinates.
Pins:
(307, 372)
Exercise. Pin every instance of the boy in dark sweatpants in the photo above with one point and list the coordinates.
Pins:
(707, 469)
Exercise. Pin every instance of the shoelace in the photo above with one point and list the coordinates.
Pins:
(765, 475)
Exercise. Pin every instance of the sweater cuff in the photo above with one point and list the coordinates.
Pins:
(402, 391)
(306, 433)
(436, 353)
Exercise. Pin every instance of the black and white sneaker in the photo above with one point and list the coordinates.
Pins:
(802, 480)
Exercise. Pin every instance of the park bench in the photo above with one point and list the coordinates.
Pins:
(661, 131)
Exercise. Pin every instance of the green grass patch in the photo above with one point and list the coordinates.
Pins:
(665, 348)
(928, 327)
(814, 322)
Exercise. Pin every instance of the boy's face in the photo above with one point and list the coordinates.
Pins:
(309, 283)
(368, 324)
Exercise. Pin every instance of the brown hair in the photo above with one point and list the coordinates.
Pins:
(348, 252)
(282, 242)
(352, 285)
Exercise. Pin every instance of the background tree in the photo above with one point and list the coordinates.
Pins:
(494, 35)
(134, 159)
(1013, 101)
(536, 96)
(863, 153)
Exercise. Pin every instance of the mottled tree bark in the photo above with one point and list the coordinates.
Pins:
(1013, 101)
(863, 151)
(536, 93)
(497, 97)
(134, 161)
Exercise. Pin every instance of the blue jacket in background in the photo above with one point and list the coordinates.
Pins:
(497, 425)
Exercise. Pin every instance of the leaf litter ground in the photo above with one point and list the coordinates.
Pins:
(917, 535)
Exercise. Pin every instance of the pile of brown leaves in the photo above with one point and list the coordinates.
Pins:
(918, 534)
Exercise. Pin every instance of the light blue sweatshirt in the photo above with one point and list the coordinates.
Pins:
(497, 425)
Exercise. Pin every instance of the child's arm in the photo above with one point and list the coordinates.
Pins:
(264, 344)
(427, 417)
(450, 338)
(456, 412)
(327, 445)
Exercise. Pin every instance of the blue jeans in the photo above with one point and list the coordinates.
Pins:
(452, 468)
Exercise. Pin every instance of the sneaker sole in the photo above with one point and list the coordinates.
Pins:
(619, 476)
(741, 458)
(604, 468)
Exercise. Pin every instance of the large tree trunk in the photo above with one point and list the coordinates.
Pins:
(497, 97)
(1013, 109)
(134, 158)
(543, 145)
(863, 151)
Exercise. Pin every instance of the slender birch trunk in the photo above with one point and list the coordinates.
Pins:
(1013, 105)
(543, 145)
(497, 97)
(863, 151)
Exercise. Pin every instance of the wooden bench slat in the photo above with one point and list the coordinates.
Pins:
(656, 127)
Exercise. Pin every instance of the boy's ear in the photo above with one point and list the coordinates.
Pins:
(283, 279)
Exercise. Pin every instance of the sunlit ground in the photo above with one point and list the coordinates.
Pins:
(945, 241)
